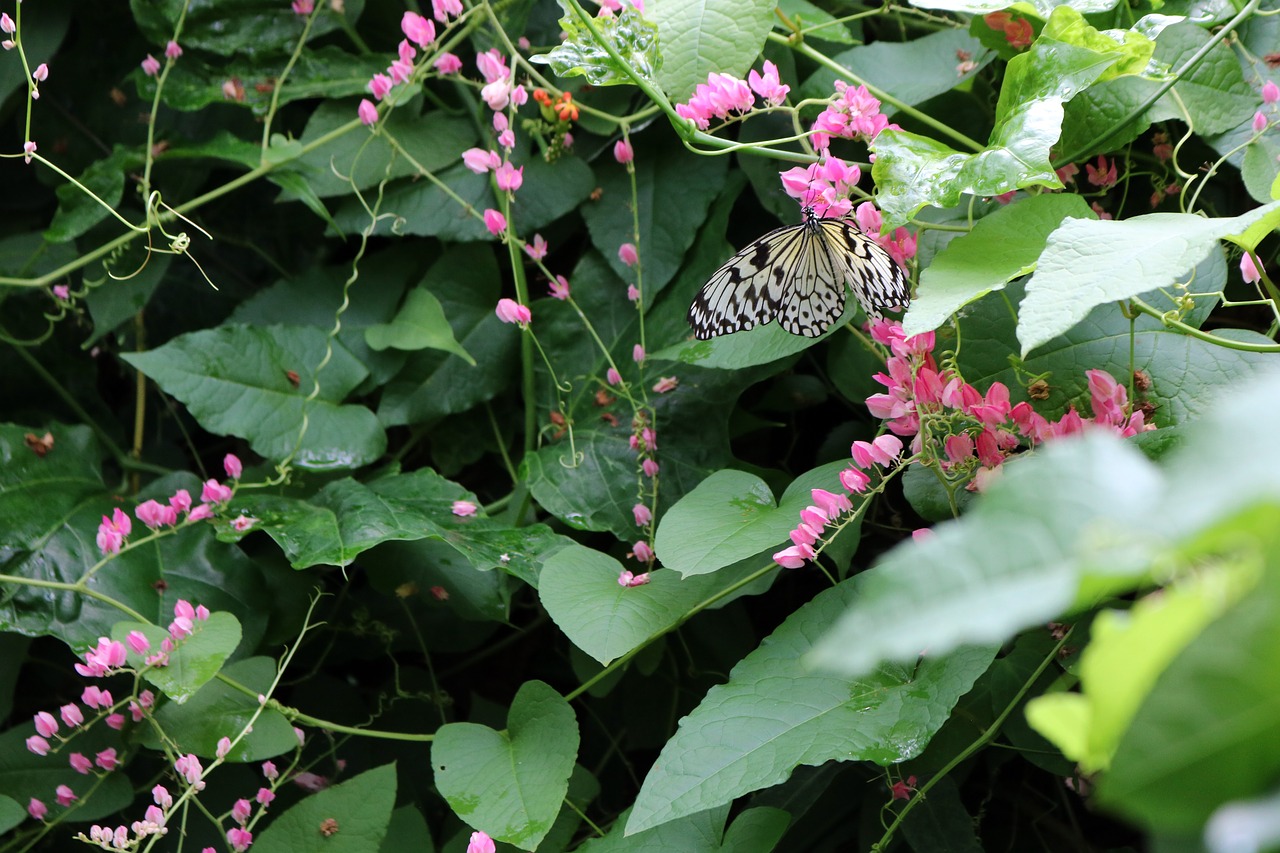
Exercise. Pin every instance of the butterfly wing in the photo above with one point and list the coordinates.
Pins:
(877, 281)
(748, 290)
(814, 295)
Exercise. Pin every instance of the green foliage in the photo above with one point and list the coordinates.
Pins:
(469, 574)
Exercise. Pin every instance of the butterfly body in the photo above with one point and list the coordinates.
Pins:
(796, 275)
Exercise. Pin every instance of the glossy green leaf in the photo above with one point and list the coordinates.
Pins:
(197, 658)
(262, 27)
(360, 809)
(1001, 247)
(421, 324)
(773, 715)
(511, 783)
(582, 50)
(1088, 262)
(78, 211)
(235, 381)
(755, 830)
(698, 37)
(579, 588)
(219, 710)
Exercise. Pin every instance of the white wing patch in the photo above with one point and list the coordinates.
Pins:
(797, 276)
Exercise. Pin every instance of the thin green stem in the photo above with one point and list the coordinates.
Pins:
(1171, 322)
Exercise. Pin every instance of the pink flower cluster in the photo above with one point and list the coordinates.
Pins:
(419, 33)
(827, 187)
(113, 531)
(724, 95)
(830, 508)
(851, 114)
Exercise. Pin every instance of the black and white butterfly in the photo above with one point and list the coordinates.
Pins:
(796, 275)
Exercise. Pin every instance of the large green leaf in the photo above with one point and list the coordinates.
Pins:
(359, 808)
(773, 716)
(236, 381)
(703, 36)
(510, 784)
(585, 53)
(197, 658)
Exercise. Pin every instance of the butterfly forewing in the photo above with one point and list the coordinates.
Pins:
(797, 275)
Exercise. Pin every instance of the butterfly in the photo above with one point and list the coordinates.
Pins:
(796, 275)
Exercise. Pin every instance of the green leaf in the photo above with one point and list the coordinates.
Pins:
(912, 171)
(78, 211)
(219, 710)
(11, 813)
(1127, 652)
(667, 230)
(731, 516)
(816, 23)
(250, 27)
(755, 830)
(1065, 519)
(196, 659)
(1213, 95)
(434, 140)
(1001, 247)
(420, 324)
(1088, 262)
(360, 809)
(773, 716)
(702, 36)
(581, 53)
(235, 381)
(510, 784)
(580, 590)
(24, 774)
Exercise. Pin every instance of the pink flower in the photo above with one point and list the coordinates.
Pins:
(154, 514)
(238, 837)
(223, 747)
(793, 557)
(510, 311)
(37, 809)
(537, 249)
(495, 222)
(303, 7)
(46, 724)
(628, 255)
(215, 493)
(311, 781)
(241, 523)
(269, 771)
(633, 293)
(721, 96)
(507, 139)
(7, 24)
(112, 531)
(161, 796)
(150, 66)
(136, 712)
(642, 514)
(622, 151)
(41, 73)
(831, 504)
(854, 480)
(200, 513)
(650, 468)
(642, 551)
(1248, 269)
(1270, 92)
(233, 90)
(464, 509)
(768, 85)
(480, 843)
(146, 699)
(418, 29)
(612, 376)
(560, 288)
(38, 745)
(80, 763)
(902, 790)
(380, 85)
(637, 354)
(628, 579)
(172, 50)
(107, 759)
(95, 697)
(665, 384)
(71, 715)
(448, 64)
(138, 641)
(65, 795)
(492, 65)
(241, 810)
(28, 148)
(958, 447)
(479, 160)
(508, 177)
(188, 767)
(115, 721)
(264, 797)
(1259, 122)
(1103, 175)
(181, 500)
(443, 10)
(106, 656)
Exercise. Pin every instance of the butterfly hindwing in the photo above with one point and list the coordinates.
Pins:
(797, 275)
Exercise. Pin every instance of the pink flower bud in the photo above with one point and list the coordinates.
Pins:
(628, 255)
(650, 468)
(71, 714)
(642, 514)
(107, 759)
(37, 809)
(448, 64)
(464, 509)
(642, 551)
(480, 843)
(239, 838)
(1248, 269)
(1270, 92)
(46, 724)
(115, 721)
(380, 85)
(265, 796)
(223, 747)
(622, 151)
(1259, 122)
(160, 794)
(41, 73)
(150, 66)
(215, 493)
(367, 112)
(241, 810)
(231, 464)
(637, 354)
(269, 771)
(65, 795)
(80, 763)
(172, 50)
(510, 311)
(495, 222)
(612, 376)
(38, 745)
